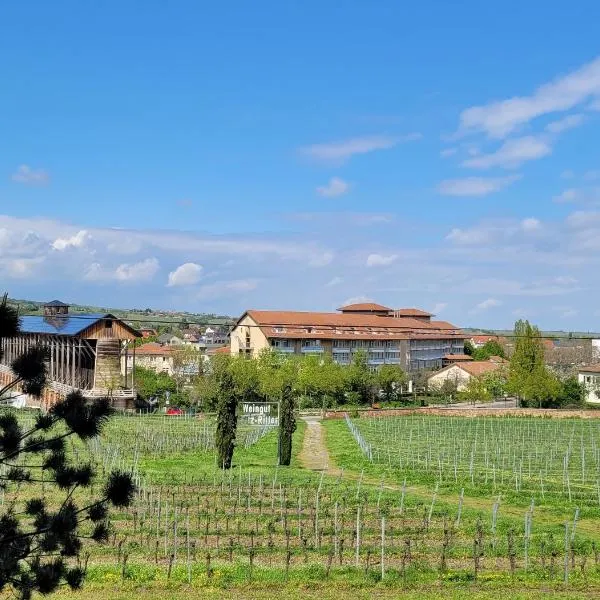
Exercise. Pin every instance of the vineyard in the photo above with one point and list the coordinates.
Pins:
(517, 457)
(411, 503)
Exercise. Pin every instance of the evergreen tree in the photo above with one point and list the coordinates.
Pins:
(40, 540)
(226, 419)
(287, 425)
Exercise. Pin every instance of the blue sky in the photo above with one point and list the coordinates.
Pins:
(295, 155)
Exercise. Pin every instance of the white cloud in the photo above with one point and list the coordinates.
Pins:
(498, 119)
(22, 268)
(592, 175)
(447, 152)
(566, 123)
(380, 260)
(344, 150)
(186, 274)
(75, 241)
(335, 187)
(475, 186)
(567, 174)
(570, 195)
(531, 224)
(221, 289)
(144, 270)
(487, 304)
(334, 281)
(512, 154)
(25, 174)
(321, 260)
(469, 237)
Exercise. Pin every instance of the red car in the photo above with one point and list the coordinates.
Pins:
(174, 411)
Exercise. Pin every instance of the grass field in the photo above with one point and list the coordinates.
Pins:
(425, 519)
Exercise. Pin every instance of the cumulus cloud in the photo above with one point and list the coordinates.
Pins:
(531, 224)
(144, 270)
(447, 152)
(566, 123)
(186, 274)
(512, 154)
(487, 304)
(221, 289)
(473, 236)
(29, 176)
(335, 187)
(334, 281)
(75, 241)
(381, 260)
(475, 186)
(342, 151)
(498, 119)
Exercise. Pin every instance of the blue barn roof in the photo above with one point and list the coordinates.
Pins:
(70, 325)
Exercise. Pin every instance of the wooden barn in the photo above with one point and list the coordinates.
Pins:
(85, 352)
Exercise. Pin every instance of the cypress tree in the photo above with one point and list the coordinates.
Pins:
(287, 426)
(226, 419)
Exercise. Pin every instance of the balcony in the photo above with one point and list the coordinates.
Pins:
(340, 350)
(376, 361)
(312, 349)
(284, 349)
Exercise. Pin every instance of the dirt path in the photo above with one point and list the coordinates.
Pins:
(314, 455)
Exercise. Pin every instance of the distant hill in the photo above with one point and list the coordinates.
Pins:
(158, 319)
(549, 333)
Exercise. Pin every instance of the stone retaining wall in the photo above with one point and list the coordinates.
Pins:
(472, 412)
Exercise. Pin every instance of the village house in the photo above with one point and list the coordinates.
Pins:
(589, 377)
(459, 374)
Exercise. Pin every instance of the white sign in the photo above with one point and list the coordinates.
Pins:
(261, 414)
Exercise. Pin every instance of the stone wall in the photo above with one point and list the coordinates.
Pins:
(471, 412)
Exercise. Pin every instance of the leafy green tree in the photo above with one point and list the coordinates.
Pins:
(496, 382)
(475, 391)
(570, 394)
(490, 348)
(226, 419)
(360, 381)
(529, 379)
(320, 378)
(469, 348)
(152, 386)
(287, 425)
(389, 379)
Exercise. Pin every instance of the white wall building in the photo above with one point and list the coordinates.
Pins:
(590, 378)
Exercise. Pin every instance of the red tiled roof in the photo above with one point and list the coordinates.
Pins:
(365, 307)
(458, 357)
(412, 312)
(308, 325)
(152, 349)
(479, 367)
(590, 369)
(220, 350)
(482, 339)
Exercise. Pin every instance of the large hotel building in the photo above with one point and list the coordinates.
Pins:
(407, 336)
